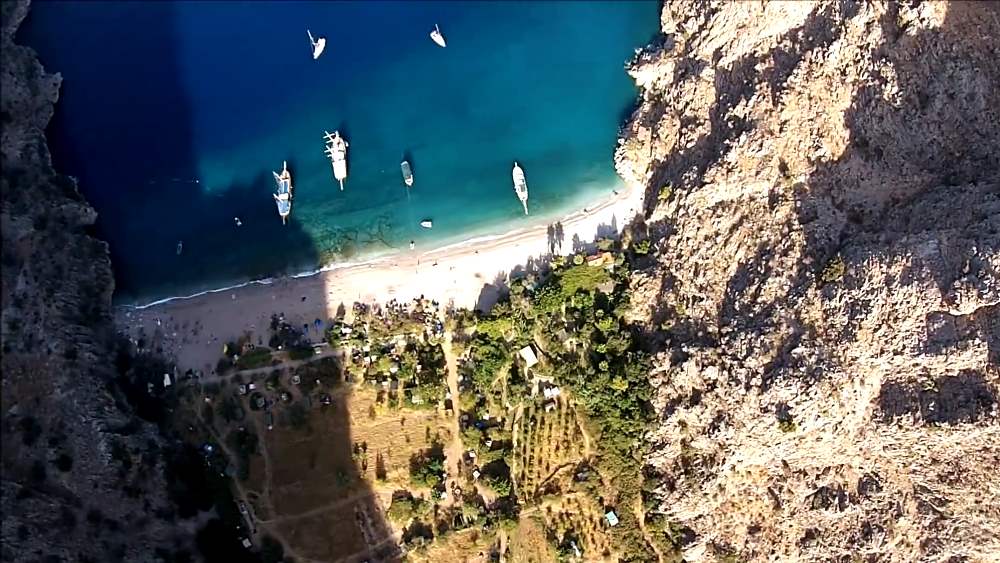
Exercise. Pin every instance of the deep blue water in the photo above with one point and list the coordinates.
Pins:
(172, 115)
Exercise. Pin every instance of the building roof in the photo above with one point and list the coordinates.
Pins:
(601, 259)
(529, 356)
(612, 517)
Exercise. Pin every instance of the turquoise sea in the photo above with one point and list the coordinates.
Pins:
(173, 115)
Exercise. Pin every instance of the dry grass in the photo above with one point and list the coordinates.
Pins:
(337, 534)
(529, 544)
(466, 546)
(393, 435)
(582, 515)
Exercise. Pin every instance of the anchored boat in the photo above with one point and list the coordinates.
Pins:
(407, 173)
(284, 196)
(520, 186)
(317, 44)
(427, 223)
(336, 149)
(438, 37)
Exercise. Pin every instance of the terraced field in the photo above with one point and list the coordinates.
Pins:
(546, 443)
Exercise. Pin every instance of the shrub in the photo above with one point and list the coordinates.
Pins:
(406, 507)
(30, 430)
(426, 466)
(786, 425)
(256, 358)
(582, 278)
(64, 462)
(641, 248)
(834, 270)
(300, 353)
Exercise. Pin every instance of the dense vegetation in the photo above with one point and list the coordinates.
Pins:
(574, 318)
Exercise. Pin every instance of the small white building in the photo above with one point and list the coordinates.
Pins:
(528, 355)
(551, 392)
(611, 517)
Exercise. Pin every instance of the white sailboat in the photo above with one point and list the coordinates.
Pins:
(438, 37)
(336, 149)
(317, 45)
(520, 186)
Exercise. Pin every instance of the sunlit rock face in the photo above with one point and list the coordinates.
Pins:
(823, 181)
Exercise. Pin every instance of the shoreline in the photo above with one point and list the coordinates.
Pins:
(468, 274)
(376, 257)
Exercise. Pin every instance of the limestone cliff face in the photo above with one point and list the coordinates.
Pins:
(82, 479)
(824, 188)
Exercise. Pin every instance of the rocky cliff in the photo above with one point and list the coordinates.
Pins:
(823, 183)
(82, 477)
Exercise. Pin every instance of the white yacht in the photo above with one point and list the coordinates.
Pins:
(427, 223)
(520, 186)
(283, 198)
(336, 149)
(438, 37)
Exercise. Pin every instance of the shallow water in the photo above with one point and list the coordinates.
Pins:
(173, 115)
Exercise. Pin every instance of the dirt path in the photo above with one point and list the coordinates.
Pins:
(350, 499)
(266, 457)
(453, 451)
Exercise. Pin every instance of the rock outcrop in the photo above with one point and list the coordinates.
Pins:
(823, 183)
(82, 478)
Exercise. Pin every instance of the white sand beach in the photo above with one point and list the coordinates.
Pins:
(193, 330)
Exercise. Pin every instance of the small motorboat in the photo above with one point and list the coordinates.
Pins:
(407, 173)
(438, 37)
(180, 247)
(317, 44)
(427, 223)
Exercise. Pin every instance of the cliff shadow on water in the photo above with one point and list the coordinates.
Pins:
(141, 119)
(130, 140)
